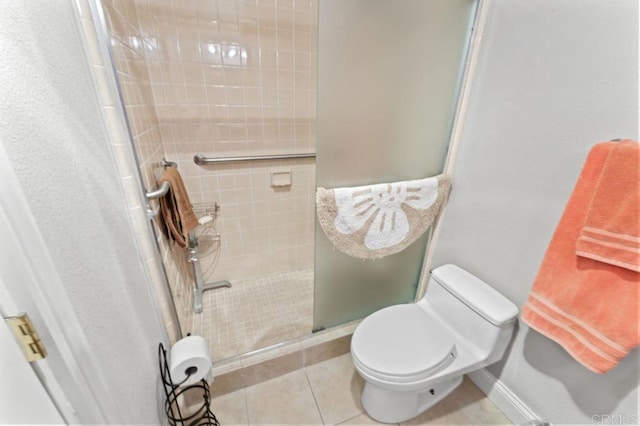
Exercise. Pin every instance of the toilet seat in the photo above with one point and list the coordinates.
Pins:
(401, 344)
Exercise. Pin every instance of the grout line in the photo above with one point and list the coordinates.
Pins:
(313, 394)
(350, 418)
(222, 341)
(246, 405)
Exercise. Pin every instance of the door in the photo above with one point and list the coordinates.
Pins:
(389, 74)
(30, 283)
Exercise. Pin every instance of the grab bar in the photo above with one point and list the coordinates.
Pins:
(201, 160)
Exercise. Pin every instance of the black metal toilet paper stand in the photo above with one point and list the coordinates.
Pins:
(200, 416)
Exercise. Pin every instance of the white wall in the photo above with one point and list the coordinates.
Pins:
(51, 126)
(553, 78)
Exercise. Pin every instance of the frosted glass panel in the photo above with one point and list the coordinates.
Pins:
(388, 81)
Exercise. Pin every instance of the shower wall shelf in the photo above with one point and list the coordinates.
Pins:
(202, 160)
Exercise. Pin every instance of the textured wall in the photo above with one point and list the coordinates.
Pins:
(553, 78)
(54, 134)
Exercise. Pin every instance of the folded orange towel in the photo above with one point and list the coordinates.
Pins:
(588, 307)
(175, 207)
(610, 233)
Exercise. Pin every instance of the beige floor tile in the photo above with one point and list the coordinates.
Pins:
(337, 388)
(446, 412)
(467, 405)
(484, 412)
(231, 409)
(477, 406)
(284, 400)
(487, 418)
(362, 419)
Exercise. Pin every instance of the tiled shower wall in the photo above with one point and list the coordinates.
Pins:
(133, 76)
(237, 78)
(225, 78)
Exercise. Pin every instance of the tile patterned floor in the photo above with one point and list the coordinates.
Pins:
(329, 393)
(256, 313)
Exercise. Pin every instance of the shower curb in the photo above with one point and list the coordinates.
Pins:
(279, 365)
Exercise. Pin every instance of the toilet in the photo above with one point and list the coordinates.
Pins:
(413, 355)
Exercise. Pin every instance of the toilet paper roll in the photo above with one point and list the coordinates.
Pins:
(189, 358)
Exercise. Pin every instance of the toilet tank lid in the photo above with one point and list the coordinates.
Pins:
(476, 294)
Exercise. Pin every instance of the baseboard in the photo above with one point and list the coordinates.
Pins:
(508, 402)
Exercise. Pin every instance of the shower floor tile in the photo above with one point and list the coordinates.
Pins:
(256, 313)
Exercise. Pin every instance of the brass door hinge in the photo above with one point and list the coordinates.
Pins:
(26, 334)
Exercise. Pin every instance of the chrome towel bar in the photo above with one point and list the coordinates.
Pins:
(201, 160)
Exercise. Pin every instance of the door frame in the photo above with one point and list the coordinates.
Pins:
(29, 282)
(477, 29)
(23, 398)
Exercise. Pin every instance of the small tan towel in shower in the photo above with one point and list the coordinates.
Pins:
(375, 221)
(175, 207)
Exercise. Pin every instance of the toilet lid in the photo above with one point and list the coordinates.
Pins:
(402, 341)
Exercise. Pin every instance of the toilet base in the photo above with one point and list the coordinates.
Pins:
(389, 406)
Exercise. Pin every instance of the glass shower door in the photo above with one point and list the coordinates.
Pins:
(389, 75)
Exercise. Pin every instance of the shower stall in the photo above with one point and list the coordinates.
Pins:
(258, 103)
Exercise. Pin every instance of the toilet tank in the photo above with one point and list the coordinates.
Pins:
(479, 314)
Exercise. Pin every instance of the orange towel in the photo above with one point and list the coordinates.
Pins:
(588, 307)
(175, 207)
(610, 233)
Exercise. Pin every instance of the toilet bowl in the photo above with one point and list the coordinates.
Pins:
(413, 355)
